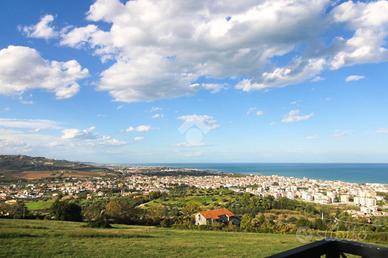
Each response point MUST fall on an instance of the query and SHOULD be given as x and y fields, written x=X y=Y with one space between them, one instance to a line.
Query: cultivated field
x=34 y=238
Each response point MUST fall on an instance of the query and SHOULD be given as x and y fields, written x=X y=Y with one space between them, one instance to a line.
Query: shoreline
x=186 y=171
x=360 y=173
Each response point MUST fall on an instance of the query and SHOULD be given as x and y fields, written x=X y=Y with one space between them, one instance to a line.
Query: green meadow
x=39 y=205
x=39 y=238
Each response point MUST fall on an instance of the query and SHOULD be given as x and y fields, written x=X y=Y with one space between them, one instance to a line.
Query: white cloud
x=295 y=116
x=88 y=136
x=369 y=21
x=146 y=78
x=317 y=79
x=155 y=109
x=369 y=24
x=74 y=133
x=138 y=138
x=382 y=131
x=339 y=134
x=160 y=50
x=140 y=128
x=156 y=116
x=108 y=140
x=205 y=123
x=298 y=71
x=58 y=77
x=32 y=124
x=43 y=29
x=25 y=101
x=352 y=78
x=260 y=113
x=14 y=139
x=211 y=87
x=254 y=110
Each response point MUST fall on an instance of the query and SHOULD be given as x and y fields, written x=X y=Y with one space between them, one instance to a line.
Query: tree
x=68 y=211
x=121 y=210
x=303 y=222
x=261 y=219
x=93 y=210
x=16 y=211
x=191 y=208
x=246 y=222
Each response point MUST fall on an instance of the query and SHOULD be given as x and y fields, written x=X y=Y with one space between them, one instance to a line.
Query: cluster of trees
x=17 y=210
x=253 y=204
x=66 y=210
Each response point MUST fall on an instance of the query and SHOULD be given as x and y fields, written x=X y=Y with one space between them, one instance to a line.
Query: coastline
x=360 y=173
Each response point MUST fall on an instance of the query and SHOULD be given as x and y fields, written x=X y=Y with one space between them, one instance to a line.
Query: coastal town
x=362 y=200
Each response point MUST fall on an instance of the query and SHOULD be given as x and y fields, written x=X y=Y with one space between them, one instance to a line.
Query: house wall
x=200 y=220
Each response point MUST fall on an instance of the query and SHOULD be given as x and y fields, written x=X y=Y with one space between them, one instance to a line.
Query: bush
x=68 y=211
x=100 y=222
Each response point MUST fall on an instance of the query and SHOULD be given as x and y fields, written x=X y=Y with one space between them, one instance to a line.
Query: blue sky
x=193 y=81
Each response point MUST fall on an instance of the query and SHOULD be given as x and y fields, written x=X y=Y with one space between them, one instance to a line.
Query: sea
x=354 y=172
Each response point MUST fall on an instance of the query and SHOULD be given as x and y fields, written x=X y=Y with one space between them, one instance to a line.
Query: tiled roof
x=215 y=214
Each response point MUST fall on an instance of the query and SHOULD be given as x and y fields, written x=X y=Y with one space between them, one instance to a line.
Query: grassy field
x=39 y=205
x=34 y=238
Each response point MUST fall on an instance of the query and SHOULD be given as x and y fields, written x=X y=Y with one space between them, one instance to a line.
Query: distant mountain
x=18 y=163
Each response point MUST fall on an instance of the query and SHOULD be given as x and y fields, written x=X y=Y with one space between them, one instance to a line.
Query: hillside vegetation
x=24 y=163
x=21 y=166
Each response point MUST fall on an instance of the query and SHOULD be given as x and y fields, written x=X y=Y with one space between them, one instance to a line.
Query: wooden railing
x=333 y=248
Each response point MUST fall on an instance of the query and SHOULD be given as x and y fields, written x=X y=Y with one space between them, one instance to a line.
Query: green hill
x=34 y=238
x=13 y=164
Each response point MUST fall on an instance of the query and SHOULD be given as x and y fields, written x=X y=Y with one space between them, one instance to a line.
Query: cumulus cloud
x=161 y=49
x=22 y=69
x=140 y=128
x=369 y=22
x=32 y=124
x=156 y=116
x=73 y=133
x=88 y=136
x=298 y=71
x=43 y=29
x=352 y=78
x=295 y=116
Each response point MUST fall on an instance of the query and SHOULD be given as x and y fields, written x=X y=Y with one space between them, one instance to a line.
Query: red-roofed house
x=207 y=217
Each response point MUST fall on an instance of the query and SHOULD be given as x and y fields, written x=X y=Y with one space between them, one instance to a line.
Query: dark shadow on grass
x=27 y=227
x=110 y=236
x=15 y=235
